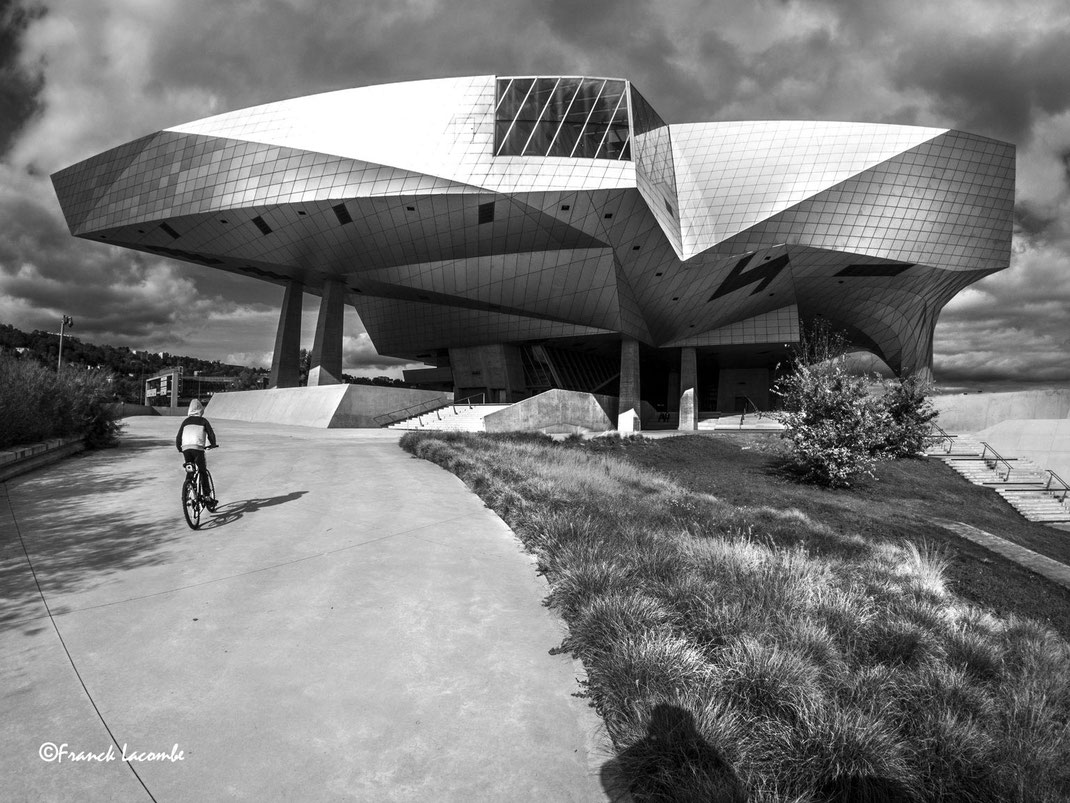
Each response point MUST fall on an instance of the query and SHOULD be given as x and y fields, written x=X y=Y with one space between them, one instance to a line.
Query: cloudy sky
x=80 y=76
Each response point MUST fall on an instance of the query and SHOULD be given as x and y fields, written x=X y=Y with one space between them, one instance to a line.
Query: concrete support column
x=688 y=389
x=326 y=367
x=629 y=409
x=286 y=361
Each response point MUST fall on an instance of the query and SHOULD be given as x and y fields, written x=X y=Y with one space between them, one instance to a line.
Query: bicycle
x=193 y=501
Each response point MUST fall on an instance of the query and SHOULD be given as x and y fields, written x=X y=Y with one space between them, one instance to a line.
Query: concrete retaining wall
x=17 y=460
x=557 y=411
x=126 y=410
x=976 y=411
x=1044 y=441
x=324 y=406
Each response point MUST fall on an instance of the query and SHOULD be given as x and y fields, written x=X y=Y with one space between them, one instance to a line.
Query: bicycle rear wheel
x=191 y=504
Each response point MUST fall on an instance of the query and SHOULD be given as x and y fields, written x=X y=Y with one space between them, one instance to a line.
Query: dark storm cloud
x=322 y=46
x=993 y=84
x=20 y=87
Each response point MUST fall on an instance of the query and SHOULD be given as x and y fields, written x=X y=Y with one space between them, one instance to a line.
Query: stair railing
x=1058 y=492
x=937 y=437
x=386 y=419
x=994 y=461
x=748 y=402
x=468 y=401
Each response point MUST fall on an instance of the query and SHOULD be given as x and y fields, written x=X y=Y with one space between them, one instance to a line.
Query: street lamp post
x=67 y=321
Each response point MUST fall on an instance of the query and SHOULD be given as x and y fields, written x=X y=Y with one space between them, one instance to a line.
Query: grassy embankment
x=740 y=649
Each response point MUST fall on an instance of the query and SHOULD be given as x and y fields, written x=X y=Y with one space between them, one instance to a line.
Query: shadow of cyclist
x=673 y=762
x=232 y=511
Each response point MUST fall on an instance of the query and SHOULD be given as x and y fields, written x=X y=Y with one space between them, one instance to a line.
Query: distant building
x=532 y=232
x=172 y=387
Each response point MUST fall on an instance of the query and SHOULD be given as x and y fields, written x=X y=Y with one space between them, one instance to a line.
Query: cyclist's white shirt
x=194 y=435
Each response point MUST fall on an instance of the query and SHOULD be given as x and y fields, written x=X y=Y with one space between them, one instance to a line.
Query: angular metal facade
x=485 y=210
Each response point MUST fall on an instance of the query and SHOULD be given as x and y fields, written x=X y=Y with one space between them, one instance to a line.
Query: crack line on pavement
x=257 y=571
x=70 y=658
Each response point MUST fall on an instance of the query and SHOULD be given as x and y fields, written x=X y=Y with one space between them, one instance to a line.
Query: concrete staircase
x=751 y=422
x=453 y=418
x=1022 y=483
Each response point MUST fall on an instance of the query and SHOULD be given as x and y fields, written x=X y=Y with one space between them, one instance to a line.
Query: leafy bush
x=910 y=417
x=37 y=404
x=835 y=427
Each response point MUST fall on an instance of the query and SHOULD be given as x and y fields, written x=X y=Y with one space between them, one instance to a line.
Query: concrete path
x=353 y=624
x=1041 y=564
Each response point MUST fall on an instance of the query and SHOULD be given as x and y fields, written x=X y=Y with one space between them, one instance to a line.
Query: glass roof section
x=585 y=118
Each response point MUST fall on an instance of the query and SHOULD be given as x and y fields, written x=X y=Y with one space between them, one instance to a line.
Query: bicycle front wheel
x=191 y=504
x=210 y=484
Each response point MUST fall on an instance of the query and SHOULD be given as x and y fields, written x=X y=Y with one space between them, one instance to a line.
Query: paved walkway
x=1041 y=564
x=352 y=625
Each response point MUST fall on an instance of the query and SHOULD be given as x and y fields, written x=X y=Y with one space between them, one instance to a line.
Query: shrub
x=839 y=429
x=835 y=427
x=37 y=404
x=910 y=415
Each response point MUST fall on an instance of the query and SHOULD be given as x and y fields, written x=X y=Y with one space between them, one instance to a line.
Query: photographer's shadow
x=673 y=762
x=230 y=512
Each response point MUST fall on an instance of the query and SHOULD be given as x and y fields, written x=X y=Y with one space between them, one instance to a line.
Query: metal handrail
x=385 y=419
x=429 y=406
x=747 y=400
x=468 y=400
x=939 y=436
x=1053 y=491
x=997 y=458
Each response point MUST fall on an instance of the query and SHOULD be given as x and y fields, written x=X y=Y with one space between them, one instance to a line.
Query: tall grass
x=37 y=404
x=739 y=653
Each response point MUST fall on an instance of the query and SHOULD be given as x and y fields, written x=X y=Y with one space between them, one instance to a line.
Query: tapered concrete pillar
x=326 y=368
x=629 y=409
x=688 y=389
x=286 y=361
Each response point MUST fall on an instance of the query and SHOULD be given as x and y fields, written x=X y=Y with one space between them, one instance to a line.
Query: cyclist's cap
x=195 y=407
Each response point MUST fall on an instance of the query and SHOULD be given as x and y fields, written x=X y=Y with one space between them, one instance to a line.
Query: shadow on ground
x=672 y=762
x=80 y=523
x=232 y=511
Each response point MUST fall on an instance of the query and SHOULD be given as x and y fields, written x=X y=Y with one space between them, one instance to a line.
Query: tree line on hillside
x=131 y=368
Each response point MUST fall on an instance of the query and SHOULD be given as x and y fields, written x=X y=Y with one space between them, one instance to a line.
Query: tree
x=910 y=413
x=836 y=428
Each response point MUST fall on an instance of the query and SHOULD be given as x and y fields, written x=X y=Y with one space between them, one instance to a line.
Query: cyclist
x=193 y=436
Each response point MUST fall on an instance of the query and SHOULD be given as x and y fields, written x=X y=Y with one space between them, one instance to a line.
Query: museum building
x=518 y=234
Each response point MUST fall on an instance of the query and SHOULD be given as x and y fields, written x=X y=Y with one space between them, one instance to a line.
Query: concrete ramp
x=324 y=406
x=557 y=411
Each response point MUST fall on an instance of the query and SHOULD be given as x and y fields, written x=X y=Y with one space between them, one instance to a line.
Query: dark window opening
x=607 y=215
x=486 y=213
x=342 y=213
x=410 y=208
x=565 y=207
x=261 y=224
x=635 y=247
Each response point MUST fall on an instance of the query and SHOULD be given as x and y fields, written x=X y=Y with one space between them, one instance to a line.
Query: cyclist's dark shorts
x=195 y=456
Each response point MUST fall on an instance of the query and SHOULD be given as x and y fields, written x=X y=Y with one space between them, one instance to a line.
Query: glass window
x=579 y=117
